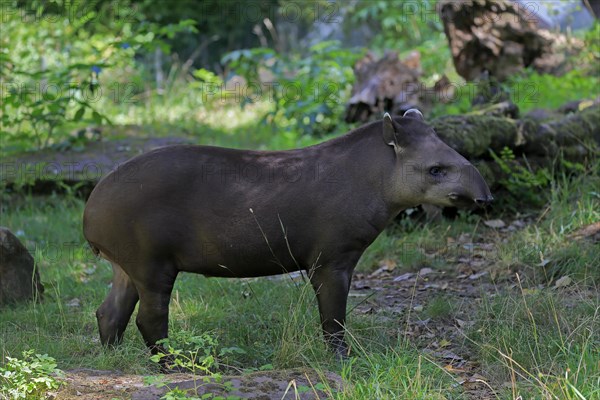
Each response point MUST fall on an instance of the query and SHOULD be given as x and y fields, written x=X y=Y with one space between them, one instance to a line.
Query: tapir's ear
x=414 y=113
x=389 y=133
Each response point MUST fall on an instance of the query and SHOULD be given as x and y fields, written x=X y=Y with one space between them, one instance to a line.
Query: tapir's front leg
x=331 y=285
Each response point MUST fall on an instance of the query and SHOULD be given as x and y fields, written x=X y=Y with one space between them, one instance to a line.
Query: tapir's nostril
x=484 y=201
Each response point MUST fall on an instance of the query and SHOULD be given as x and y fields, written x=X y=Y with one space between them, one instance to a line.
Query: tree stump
x=501 y=37
x=387 y=84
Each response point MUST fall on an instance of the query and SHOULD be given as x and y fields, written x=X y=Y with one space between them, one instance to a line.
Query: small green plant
x=440 y=307
x=53 y=79
x=30 y=377
x=519 y=180
x=198 y=354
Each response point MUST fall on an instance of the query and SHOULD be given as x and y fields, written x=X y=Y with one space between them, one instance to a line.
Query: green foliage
x=60 y=59
x=197 y=354
x=532 y=90
x=399 y=373
x=409 y=24
x=521 y=180
x=544 y=349
x=308 y=92
x=405 y=27
x=226 y=25
x=29 y=377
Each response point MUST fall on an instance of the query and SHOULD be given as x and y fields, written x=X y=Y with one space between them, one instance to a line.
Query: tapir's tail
x=95 y=250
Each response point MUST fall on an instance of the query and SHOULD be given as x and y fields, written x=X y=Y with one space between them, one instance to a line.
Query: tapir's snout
x=482 y=196
x=470 y=189
x=484 y=201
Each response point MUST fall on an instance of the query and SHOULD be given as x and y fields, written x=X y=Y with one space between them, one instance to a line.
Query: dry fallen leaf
x=562 y=282
x=74 y=302
x=478 y=275
x=476 y=376
x=460 y=322
x=494 y=223
x=591 y=232
x=385 y=266
x=451 y=368
x=403 y=277
x=388 y=264
x=518 y=224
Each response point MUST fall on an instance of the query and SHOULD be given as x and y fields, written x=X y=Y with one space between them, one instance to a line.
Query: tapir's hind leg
x=114 y=313
x=155 y=289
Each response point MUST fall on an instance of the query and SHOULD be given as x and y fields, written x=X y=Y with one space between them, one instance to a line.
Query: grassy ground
x=528 y=336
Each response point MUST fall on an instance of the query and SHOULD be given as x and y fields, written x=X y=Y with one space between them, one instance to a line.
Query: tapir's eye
x=436 y=171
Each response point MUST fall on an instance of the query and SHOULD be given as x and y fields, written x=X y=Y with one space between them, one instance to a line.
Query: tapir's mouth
x=460 y=200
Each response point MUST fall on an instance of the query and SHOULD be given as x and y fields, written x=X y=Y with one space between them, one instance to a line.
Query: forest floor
x=436 y=309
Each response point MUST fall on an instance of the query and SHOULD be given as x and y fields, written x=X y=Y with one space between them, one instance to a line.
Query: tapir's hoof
x=343 y=354
x=166 y=368
x=341 y=350
x=168 y=365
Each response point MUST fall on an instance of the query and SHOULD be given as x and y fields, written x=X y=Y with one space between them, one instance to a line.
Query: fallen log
x=576 y=135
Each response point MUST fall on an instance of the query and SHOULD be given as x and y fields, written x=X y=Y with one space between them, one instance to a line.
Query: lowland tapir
x=240 y=213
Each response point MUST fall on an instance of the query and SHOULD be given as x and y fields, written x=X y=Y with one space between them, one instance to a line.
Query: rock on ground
x=19 y=281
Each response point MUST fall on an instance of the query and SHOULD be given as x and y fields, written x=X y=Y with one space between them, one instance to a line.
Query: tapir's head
x=427 y=170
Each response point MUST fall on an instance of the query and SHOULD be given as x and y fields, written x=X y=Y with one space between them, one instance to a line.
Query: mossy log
x=474 y=135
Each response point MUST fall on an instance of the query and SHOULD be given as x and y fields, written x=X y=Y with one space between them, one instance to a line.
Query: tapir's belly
x=236 y=257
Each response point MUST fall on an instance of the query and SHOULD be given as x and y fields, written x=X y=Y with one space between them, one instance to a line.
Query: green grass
x=543 y=347
x=399 y=373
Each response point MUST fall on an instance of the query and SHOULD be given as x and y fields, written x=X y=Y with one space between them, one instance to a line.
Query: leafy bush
x=30 y=377
x=308 y=91
x=405 y=27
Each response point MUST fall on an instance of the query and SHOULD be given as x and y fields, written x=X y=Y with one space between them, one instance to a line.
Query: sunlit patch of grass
x=414 y=245
x=440 y=307
x=398 y=373
x=222 y=121
x=540 y=344
x=533 y=90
